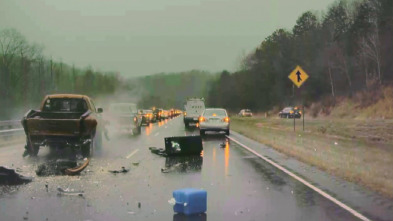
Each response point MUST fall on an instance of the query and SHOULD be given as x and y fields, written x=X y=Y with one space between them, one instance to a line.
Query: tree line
x=345 y=50
x=170 y=90
x=26 y=76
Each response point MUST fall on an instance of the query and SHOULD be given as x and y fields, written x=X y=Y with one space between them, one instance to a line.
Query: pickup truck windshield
x=65 y=105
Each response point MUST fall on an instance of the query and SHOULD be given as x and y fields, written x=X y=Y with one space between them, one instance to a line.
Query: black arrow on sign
x=299 y=79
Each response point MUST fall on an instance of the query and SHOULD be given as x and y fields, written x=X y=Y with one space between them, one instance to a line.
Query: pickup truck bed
x=56 y=124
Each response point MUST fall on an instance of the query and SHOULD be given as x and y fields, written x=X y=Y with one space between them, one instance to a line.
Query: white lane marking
x=131 y=154
x=316 y=189
x=156 y=134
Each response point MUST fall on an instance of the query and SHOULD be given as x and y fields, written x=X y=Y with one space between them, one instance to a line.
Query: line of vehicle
x=132 y=154
x=316 y=189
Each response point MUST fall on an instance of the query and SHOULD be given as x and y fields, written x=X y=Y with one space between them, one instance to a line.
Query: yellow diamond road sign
x=298 y=76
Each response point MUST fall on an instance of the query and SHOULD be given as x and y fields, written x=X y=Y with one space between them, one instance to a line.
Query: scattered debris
x=130 y=212
x=56 y=167
x=182 y=164
x=69 y=192
x=123 y=170
x=165 y=170
x=139 y=205
x=46 y=187
x=61 y=167
x=135 y=164
x=158 y=151
x=171 y=168
x=10 y=177
x=335 y=143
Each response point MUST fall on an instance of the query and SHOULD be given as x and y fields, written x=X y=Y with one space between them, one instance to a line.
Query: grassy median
x=360 y=151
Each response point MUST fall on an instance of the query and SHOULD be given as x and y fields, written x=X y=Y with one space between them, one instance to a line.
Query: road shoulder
x=367 y=202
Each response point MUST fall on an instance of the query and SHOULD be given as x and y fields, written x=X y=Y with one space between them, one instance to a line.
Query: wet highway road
x=240 y=186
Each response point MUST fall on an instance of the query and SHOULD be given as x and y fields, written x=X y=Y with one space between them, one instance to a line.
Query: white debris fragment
x=172 y=201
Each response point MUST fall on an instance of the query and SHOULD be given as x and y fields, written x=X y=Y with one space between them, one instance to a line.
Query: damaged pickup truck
x=64 y=121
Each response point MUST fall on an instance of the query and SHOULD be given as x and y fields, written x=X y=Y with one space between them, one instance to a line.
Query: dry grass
x=345 y=148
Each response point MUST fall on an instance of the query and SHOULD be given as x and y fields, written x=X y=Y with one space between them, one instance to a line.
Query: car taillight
x=291 y=112
x=135 y=119
x=185 y=113
x=226 y=119
x=300 y=112
x=201 y=119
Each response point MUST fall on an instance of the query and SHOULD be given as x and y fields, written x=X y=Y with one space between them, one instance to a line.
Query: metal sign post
x=294 y=124
x=303 y=115
x=298 y=76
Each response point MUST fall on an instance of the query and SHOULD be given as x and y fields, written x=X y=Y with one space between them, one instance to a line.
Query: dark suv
x=290 y=112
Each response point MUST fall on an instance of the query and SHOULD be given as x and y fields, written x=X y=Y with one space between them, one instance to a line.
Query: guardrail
x=10 y=128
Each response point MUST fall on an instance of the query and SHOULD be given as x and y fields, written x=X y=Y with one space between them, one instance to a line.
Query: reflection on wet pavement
x=198 y=217
x=148 y=129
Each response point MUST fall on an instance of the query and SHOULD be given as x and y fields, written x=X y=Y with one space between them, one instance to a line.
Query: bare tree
x=11 y=42
x=370 y=46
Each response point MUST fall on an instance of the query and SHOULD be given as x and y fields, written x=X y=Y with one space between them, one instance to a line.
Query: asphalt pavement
x=239 y=185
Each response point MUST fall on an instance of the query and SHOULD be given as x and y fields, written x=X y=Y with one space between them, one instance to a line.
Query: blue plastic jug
x=190 y=201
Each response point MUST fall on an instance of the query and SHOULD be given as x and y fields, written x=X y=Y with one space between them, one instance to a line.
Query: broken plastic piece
x=78 y=169
x=158 y=151
x=62 y=191
x=185 y=145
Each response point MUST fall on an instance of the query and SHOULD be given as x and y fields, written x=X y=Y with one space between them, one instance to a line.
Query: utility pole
x=51 y=74
x=73 y=78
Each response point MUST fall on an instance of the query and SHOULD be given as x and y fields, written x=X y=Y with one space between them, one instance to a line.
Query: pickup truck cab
x=194 y=108
x=64 y=120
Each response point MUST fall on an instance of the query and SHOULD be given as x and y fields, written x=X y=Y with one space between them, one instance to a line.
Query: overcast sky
x=141 y=37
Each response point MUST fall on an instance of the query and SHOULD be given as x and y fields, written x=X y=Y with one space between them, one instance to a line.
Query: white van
x=194 y=107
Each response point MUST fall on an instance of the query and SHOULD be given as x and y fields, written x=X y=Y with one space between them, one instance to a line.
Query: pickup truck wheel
x=186 y=124
x=227 y=132
x=87 y=149
x=31 y=149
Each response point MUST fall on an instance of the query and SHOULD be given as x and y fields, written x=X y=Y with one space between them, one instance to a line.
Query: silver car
x=214 y=119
